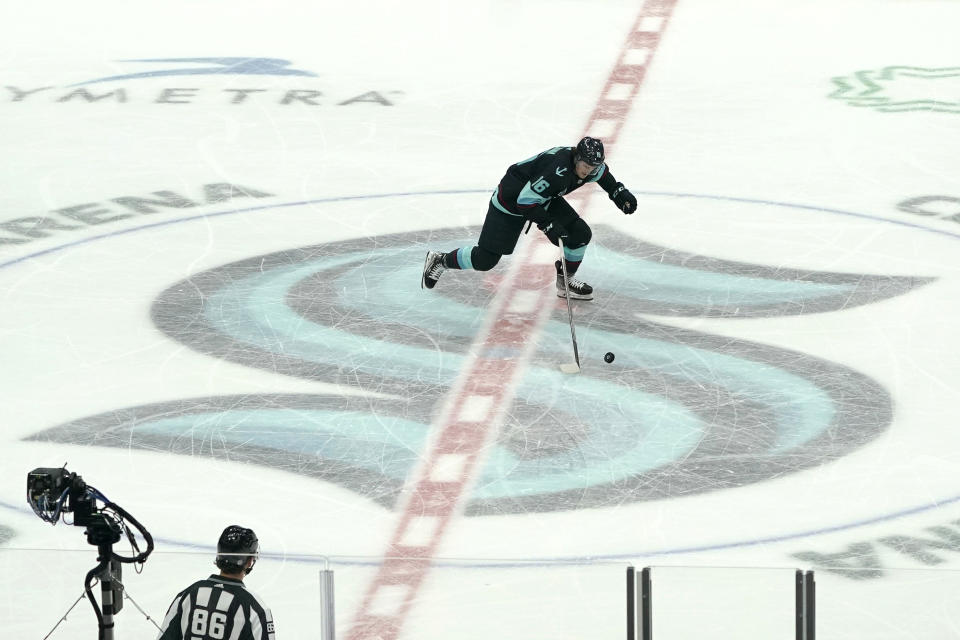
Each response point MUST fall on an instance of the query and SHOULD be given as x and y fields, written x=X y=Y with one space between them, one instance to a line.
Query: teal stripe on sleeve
x=593 y=177
x=550 y=151
x=528 y=196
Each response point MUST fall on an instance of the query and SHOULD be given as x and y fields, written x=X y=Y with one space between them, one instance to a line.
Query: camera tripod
x=103 y=532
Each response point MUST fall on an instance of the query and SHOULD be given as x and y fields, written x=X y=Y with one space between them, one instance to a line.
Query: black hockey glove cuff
x=622 y=197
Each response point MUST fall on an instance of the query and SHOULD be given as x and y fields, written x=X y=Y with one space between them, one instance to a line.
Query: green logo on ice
x=902 y=89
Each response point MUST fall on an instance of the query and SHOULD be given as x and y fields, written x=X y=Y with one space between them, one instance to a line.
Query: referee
x=221 y=607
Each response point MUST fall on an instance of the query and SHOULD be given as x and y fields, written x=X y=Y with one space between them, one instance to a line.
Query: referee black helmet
x=237 y=545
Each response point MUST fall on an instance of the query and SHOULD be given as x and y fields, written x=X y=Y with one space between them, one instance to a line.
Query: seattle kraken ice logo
x=221 y=66
x=679 y=412
x=902 y=89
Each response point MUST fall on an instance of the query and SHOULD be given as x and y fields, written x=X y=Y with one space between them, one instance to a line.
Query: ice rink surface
x=212 y=227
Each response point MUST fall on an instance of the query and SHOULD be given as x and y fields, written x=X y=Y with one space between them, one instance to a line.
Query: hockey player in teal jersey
x=533 y=190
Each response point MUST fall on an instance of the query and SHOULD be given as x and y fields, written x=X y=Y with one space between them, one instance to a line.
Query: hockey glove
x=552 y=229
x=625 y=200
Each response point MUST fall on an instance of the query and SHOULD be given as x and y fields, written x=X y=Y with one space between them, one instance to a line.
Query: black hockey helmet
x=237 y=545
x=590 y=150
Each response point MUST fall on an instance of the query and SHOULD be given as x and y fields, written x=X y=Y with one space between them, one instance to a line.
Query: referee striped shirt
x=217 y=608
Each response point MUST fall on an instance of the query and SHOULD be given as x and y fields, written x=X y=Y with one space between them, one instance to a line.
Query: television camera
x=52 y=493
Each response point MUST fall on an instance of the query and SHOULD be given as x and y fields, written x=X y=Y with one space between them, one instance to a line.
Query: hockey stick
x=569 y=367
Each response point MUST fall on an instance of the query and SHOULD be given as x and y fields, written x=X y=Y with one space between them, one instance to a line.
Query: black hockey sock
x=450 y=260
x=572 y=266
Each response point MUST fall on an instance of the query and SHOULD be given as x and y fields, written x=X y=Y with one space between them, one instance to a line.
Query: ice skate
x=433 y=268
x=579 y=290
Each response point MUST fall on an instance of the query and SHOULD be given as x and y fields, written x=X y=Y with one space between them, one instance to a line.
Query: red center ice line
x=473 y=412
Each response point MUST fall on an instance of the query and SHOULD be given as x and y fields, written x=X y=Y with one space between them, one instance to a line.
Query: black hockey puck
x=608 y=356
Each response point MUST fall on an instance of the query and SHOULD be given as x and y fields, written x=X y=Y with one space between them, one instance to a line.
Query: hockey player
x=533 y=190
x=220 y=607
